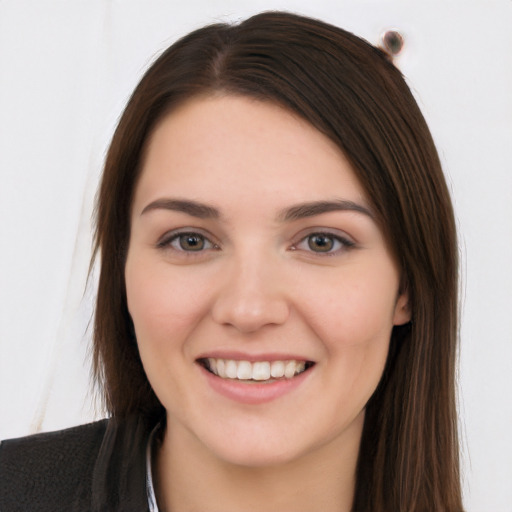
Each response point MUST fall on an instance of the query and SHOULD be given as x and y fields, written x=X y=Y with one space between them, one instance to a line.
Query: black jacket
x=97 y=467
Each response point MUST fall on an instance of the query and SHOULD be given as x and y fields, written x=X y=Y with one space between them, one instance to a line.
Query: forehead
x=239 y=147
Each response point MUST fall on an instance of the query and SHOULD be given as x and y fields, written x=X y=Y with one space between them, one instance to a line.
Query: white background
x=66 y=70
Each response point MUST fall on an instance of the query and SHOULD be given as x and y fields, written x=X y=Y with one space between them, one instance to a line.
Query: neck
x=189 y=478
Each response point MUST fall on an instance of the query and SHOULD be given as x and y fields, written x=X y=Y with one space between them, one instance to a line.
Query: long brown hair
x=351 y=92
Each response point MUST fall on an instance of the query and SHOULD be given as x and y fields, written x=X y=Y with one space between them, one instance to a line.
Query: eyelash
x=168 y=241
x=339 y=243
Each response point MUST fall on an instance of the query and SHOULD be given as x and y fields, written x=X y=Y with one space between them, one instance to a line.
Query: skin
x=257 y=286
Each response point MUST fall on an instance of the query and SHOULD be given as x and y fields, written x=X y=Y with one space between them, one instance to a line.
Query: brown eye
x=324 y=244
x=191 y=242
x=186 y=242
x=320 y=242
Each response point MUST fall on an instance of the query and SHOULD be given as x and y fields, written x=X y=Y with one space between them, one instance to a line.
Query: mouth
x=256 y=371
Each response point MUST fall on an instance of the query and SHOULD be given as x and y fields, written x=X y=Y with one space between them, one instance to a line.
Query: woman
x=276 y=317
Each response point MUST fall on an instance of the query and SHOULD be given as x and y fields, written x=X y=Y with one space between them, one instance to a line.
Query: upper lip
x=242 y=356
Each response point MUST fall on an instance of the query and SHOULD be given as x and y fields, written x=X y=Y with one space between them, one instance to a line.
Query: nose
x=251 y=296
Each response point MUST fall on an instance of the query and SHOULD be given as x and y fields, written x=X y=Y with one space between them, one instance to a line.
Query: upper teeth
x=259 y=370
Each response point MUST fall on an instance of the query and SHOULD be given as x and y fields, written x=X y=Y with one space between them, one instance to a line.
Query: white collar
x=152 y=504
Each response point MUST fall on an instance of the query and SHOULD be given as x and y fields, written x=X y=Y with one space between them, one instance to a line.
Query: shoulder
x=52 y=445
x=42 y=471
x=95 y=467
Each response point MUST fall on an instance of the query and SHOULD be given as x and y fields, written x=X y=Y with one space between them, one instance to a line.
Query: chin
x=256 y=457
x=260 y=447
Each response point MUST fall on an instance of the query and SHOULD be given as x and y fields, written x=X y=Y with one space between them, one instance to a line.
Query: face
x=261 y=288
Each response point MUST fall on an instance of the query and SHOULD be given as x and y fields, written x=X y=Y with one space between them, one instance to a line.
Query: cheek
x=161 y=304
x=355 y=332
x=164 y=308
x=353 y=318
x=354 y=312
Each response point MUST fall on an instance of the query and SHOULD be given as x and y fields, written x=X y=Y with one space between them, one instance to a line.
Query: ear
x=402 y=313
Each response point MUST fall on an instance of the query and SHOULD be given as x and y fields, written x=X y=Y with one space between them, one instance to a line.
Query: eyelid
x=164 y=242
x=346 y=241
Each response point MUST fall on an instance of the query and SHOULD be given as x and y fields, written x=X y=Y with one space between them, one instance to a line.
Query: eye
x=321 y=242
x=186 y=242
x=324 y=243
x=190 y=242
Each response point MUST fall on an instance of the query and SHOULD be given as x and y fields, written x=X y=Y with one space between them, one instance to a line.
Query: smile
x=254 y=371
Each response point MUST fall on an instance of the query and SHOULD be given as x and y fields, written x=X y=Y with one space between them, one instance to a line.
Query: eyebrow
x=304 y=210
x=193 y=208
x=293 y=213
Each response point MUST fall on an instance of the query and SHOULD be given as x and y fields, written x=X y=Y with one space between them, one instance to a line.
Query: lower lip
x=254 y=393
